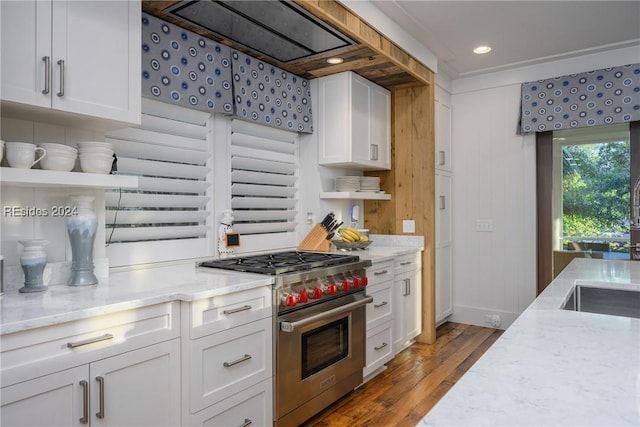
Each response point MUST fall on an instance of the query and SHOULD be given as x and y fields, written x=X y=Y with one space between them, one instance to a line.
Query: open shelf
x=355 y=195
x=46 y=178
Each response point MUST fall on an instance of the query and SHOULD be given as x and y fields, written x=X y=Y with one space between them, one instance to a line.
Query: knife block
x=316 y=240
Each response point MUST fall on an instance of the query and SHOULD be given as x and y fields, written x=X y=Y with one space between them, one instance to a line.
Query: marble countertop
x=134 y=288
x=554 y=367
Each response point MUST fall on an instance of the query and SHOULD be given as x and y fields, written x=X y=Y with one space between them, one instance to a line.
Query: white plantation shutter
x=264 y=176
x=166 y=217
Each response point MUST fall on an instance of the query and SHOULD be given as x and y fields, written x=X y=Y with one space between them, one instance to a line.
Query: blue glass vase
x=82 y=235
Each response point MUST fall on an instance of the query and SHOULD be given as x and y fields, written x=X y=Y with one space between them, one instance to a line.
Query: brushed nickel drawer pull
x=237 y=310
x=384 y=344
x=47 y=74
x=247 y=422
x=85 y=402
x=235 y=362
x=100 y=413
x=443 y=203
x=405 y=263
x=89 y=341
x=382 y=304
x=61 y=64
x=442 y=158
x=379 y=273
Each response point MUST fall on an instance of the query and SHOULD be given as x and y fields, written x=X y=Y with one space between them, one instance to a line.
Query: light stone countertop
x=128 y=289
x=554 y=367
x=123 y=290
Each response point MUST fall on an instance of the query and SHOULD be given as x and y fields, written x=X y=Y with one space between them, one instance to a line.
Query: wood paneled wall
x=411 y=182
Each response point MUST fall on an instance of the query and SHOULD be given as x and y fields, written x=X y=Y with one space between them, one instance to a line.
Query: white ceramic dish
x=95 y=163
x=58 y=161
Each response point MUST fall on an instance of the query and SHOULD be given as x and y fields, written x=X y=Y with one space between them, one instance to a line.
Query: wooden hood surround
x=411 y=180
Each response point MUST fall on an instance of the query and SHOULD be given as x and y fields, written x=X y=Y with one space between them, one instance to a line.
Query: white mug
x=23 y=154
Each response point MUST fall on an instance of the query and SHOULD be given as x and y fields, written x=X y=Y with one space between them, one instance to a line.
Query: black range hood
x=280 y=30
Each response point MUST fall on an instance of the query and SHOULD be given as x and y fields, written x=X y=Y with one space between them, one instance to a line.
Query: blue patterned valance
x=184 y=68
x=270 y=96
x=610 y=95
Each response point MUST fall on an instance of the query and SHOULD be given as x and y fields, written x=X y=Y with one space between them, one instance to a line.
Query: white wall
x=494 y=179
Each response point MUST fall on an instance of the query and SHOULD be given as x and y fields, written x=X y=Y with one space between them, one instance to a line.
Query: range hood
x=280 y=30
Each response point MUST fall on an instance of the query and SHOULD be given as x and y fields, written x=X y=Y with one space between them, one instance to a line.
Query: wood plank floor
x=414 y=381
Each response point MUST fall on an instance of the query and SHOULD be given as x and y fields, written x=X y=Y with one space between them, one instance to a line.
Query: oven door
x=319 y=354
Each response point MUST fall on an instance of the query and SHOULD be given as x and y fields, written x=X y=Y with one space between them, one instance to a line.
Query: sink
x=616 y=302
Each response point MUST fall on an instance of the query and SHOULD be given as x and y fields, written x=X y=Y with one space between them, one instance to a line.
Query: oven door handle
x=291 y=326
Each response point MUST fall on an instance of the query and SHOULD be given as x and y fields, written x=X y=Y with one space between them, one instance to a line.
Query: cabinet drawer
x=36 y=352
x=409 y=262
x=253 y=406
x=381 y=308
x=379 y=347
x=210 y=315
x=380 y=272
x=228 y=362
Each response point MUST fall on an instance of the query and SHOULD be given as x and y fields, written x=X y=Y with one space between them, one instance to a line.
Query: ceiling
x=519 y=32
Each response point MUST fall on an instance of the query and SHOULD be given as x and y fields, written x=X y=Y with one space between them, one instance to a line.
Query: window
x=168 y=216
x=264 y=176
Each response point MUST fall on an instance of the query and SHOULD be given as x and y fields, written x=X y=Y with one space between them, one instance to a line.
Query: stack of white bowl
x=96 y=157
x=60 y=157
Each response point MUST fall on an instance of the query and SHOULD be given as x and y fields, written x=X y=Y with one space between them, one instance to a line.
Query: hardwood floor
x=414 y=381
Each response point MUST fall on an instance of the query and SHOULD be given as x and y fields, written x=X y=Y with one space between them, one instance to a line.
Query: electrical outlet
x=484 y=225
x=493 y=320
x=408 y=226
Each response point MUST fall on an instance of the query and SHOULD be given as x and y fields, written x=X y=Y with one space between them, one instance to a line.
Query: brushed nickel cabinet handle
x=100 y=413
x=47 y=74
x=85 y=402
x=89 y=341
x=382 y=304
x=237 y=310
x=442 y=158
x=235 y=362
x=247 y=422
x=405 y=263
x=384 y=344
x=407 y=287
x=443 y=204
x=61 y=64
x=379 y=273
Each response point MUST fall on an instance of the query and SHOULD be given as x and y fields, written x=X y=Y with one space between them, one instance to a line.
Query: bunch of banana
x=350 y=234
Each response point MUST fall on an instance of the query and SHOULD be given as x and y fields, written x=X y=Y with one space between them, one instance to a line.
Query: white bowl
x=58 y=161
x=52 y=147
x=96 y=150
x=94 y=144
x=96 y=164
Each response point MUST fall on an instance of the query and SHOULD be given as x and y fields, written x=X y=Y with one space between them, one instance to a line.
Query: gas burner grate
x=280 y=262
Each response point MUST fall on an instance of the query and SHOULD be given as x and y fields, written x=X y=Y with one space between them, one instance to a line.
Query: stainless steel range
x=319 y=327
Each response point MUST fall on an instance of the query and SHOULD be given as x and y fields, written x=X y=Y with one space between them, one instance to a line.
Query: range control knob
x=289 y=300
x=364 y=280
x=317 y=293
x=303 y=296
x=346 y=285
x=357 y=282
x=332 y=289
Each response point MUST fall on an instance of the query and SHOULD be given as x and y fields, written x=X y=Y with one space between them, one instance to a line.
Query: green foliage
x=596 y=190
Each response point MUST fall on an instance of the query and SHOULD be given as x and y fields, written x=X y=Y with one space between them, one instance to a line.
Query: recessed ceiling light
x=482 y=49
x=335 y=61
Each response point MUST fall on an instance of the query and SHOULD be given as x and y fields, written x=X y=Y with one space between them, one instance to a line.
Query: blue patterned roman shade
x=184 y=68
x=267 y=95
x=610 y=95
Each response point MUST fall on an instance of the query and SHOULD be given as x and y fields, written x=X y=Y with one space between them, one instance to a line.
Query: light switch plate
x=484 y=225
x=408 y=226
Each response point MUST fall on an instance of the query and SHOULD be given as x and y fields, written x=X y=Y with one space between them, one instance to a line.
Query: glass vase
x=82 y=235
x=33 y=261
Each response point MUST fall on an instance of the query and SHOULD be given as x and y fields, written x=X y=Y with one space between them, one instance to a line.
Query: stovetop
x=278 y=263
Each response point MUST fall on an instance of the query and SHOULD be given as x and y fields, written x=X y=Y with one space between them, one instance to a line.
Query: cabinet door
x=443 y=135
x=444 y=288
x=381 y=127
x=52 y=400
x=361 y=120
x=26 y=40
x=334 y=120
x=141 y=387
x=407 y=309
x=99 y=42
x=444 y=231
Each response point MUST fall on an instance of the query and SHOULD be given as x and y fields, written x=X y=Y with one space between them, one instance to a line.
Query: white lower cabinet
x=227 y=365
x=407 y=301
x=379 y=315
x=140 y=387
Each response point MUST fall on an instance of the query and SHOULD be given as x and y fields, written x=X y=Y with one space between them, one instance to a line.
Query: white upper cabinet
x=79 y=57
x=443 y=130
x=354 y=122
